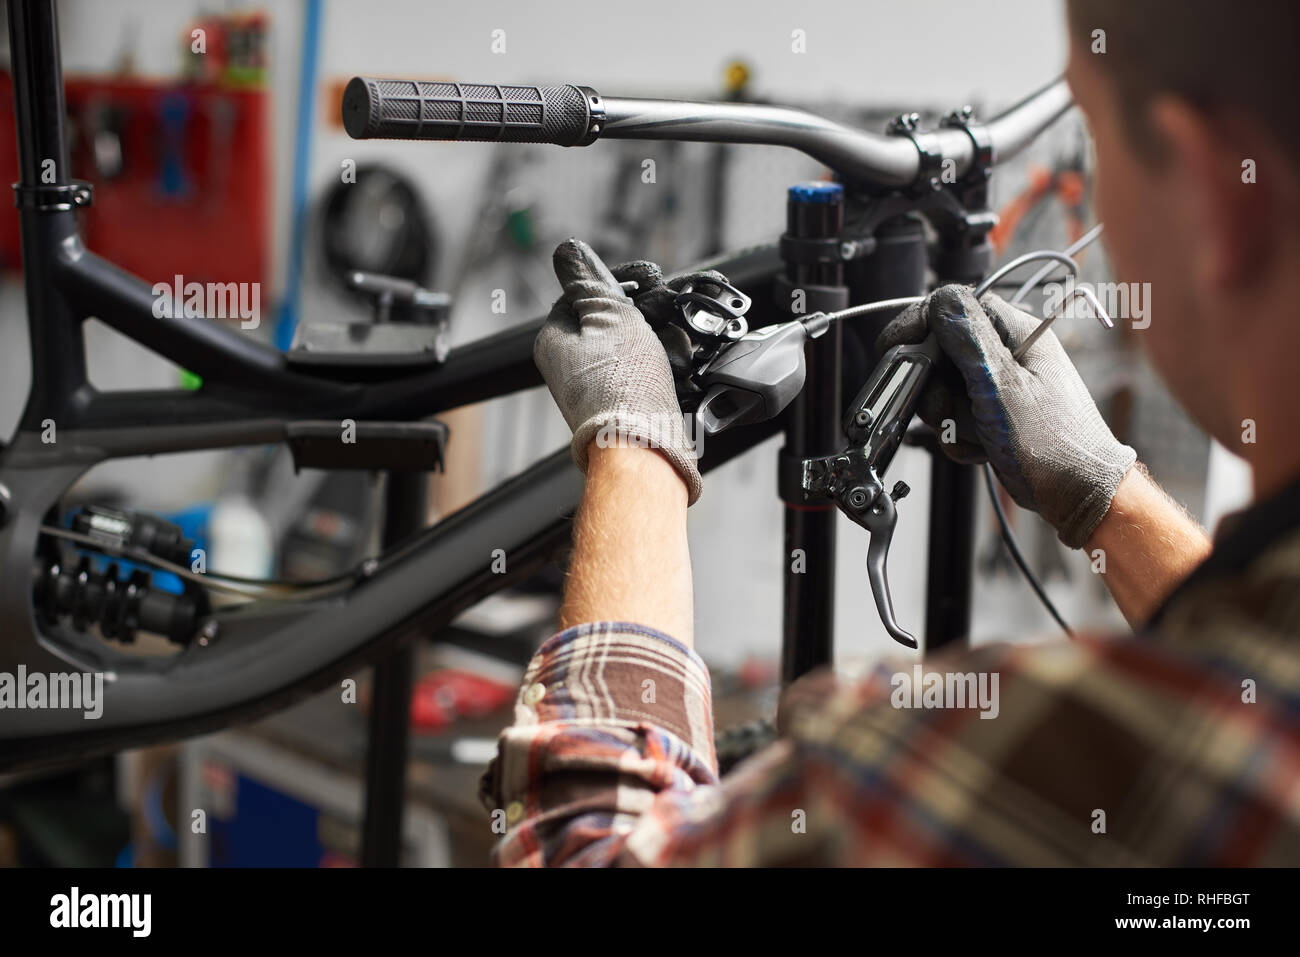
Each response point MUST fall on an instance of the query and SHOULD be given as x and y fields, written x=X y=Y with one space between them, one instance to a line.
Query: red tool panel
x=180 y=172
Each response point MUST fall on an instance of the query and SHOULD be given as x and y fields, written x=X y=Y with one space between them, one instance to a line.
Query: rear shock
x=118 y=602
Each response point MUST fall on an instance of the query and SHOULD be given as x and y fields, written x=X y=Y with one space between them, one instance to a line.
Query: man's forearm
x=631 y=561
x=1147 y=544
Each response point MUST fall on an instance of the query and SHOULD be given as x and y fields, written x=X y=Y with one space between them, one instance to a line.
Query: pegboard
x=180 y=171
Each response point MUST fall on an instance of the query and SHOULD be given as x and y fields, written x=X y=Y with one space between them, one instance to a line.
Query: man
x=1177 y=745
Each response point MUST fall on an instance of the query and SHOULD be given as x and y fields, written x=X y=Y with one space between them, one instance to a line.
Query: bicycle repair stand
x=845 y=247
x=406 y=501
x=407 y=320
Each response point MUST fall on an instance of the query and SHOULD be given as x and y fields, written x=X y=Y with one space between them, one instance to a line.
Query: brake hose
x=1008 y=537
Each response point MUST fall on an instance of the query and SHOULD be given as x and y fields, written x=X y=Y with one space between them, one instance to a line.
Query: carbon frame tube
x=244 y=675
x=239 y=373
x=58 y=362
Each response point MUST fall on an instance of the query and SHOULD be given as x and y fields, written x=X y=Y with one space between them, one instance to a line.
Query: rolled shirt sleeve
x=613 y=734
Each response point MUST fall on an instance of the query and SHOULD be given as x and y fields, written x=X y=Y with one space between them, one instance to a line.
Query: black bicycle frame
x=269 y=654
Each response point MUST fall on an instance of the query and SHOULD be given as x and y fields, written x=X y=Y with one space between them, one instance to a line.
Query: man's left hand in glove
x=606 y=367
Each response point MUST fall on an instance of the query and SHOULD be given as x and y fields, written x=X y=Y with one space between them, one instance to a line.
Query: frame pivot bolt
x=208 y=633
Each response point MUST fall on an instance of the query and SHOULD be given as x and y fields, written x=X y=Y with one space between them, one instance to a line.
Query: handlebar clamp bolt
x=904 y=123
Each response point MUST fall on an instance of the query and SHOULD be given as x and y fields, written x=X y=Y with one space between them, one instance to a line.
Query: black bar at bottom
x=951 y=553
x=406 y=500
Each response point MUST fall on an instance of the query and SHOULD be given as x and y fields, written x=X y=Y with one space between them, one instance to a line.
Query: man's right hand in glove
x=1031 y=417
x=1034 y=421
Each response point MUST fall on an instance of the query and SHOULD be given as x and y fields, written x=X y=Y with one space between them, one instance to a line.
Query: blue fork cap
x=817 y=191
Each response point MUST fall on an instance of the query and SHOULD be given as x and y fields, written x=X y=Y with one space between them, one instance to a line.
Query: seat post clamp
x=52 y=197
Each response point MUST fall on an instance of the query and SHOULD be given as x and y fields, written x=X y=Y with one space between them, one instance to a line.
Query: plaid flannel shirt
x=1180 y=745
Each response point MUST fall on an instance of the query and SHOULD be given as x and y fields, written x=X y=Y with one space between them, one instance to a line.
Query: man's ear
x=1229 y=216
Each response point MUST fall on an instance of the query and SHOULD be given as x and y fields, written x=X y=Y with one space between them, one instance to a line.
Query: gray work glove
x=1032 y=419
x=606 y=368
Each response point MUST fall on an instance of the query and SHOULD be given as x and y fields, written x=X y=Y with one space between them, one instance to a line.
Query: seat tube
x=45 y=208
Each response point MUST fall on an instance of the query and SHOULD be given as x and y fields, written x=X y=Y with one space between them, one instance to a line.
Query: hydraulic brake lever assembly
x=874 y=425
x=734 y=376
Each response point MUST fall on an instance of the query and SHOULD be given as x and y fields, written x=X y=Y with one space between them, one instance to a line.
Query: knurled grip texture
x=428 y=110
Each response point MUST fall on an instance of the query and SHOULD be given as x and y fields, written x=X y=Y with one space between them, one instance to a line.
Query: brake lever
x=880 y=520
x=875 y=424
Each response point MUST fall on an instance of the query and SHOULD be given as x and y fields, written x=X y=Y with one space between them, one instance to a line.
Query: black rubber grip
x=427 y=110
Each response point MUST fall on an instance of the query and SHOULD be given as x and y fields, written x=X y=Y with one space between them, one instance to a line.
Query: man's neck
x=1264 y=353
x=1270 y=423
x=1270 y=478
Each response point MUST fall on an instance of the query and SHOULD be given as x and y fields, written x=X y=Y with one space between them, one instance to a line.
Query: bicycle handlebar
x=578 y=116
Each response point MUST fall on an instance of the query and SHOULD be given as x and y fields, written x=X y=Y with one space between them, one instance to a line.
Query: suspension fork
x=896 y=267
x=812 y=281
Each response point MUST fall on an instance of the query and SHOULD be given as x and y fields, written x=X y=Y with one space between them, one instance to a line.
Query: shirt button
x=514 y=811
x=534 y=694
